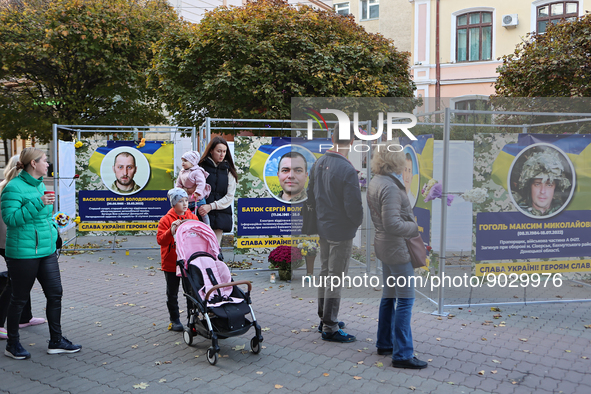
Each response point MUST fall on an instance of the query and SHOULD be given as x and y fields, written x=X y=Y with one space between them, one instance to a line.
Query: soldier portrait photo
x=286 y=173
x=125 y=170
x=541 y=181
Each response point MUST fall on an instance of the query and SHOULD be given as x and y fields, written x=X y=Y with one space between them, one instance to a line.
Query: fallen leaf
x=379 y=364
x=496 y=361
x=526 y=351
x=295 y=331
x=523 y=339
x=568 y=351
x=238 y=347
x=134 y=346
x=142 y=386
x=588 y=326
x=429 y=360
x=157 y=363
x=325 y=374
x=278 y=386
x=585 y=357
x=359 y=362
x=369 y=339
x=162 y=380
x=265 y=329
x=259 y=372
x=439 y=339
x=483 y=339
x=495 y=309
x=305 y=330
x=450 y=383
x=493 y=372
x=168 y=362
x=413 y=388
x=481 y=372
x=357 y=377
x=497 y=316
x=177 y=343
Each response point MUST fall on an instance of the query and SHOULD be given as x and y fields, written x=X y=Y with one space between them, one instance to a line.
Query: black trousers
x=5 y=292
x=172 y=295
x=23 y=273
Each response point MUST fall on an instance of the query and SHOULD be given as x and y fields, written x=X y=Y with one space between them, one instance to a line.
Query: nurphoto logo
x=345 y=122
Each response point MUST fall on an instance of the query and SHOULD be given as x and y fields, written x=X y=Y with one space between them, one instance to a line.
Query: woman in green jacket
x=31 y=250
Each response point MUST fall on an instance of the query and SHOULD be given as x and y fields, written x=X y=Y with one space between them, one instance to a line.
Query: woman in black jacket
x=217 y=161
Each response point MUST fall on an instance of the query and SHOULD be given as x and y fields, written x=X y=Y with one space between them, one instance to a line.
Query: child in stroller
x=217 y=306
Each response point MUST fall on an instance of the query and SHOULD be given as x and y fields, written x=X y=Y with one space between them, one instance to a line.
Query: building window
x=473 y=105
x=474 y=37
x=370 y=9
x=554 y=13
x=342 y=8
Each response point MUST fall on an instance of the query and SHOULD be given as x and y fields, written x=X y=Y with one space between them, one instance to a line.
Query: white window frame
x=342 y=6
x=369 y=6
x=453 y=38
x=533 y=26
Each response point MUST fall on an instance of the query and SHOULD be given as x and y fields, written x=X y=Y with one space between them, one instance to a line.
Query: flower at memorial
x=427 y=187
x=78 y=144
x=61 y=219
x=77 y=220
x=284 y=256
x=477 y=195
x=435 y=191
x=308 y=248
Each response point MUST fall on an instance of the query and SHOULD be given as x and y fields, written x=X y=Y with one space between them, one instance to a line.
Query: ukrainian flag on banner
x=160 y=155
x=423 y=146
x=257 y=163
x=578 y=149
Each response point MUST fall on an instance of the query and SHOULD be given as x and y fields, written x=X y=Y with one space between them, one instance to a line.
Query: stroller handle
x=240 y=282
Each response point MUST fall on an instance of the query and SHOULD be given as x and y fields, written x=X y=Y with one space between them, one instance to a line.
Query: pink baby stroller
x=217 y=306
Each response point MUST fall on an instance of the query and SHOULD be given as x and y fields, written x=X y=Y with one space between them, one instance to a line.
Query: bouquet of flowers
x=477 y=195
x=308 y=248
x=427 y=187
x=283 y=257
x=61 y=219
x=432 y=190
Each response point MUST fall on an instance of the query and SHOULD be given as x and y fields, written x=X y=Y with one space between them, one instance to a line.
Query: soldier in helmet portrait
x=544 y=183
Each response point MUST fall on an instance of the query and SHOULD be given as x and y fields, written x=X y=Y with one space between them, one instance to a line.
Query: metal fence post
x=442 y=241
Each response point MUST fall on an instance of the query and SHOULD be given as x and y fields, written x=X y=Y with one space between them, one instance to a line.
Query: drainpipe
x=437 y=63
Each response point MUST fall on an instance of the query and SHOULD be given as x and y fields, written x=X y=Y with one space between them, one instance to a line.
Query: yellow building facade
x=472 y=36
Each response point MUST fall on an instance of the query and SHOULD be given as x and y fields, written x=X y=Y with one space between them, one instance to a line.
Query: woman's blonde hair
x=10 y=171
x=18 y=163
x=387 y=159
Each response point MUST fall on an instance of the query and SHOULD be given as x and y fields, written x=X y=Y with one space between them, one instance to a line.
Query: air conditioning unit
x=510 y=20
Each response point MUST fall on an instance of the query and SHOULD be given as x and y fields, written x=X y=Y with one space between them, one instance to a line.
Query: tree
x=78 y=62
x=552 y=64
x=249 y=61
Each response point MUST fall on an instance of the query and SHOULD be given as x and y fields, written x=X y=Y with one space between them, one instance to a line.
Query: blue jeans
x=394 y=330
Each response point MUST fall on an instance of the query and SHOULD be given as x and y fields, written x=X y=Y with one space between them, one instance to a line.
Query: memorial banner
x=538 y=187
x=123 y=181
x=272 y=181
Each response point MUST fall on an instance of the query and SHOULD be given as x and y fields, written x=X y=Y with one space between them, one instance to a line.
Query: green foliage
x=248 y=62
x=79 y=62
x=553 y=64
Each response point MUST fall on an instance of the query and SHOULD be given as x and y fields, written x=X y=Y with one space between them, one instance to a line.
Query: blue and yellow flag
x=257 y=163
x=577 y=147
x=159 y=154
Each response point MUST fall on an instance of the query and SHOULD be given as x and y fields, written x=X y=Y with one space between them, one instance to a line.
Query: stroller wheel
x=255 y=345
x=188 y=336
x=212 y=356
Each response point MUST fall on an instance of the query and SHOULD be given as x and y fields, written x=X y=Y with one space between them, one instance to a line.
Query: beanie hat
x=192 y=157
x=174 y=195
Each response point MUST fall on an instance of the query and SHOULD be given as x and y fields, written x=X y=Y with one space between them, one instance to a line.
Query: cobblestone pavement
x=114 y=305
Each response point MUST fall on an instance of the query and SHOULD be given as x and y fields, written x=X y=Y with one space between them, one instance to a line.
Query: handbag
x=418 y=252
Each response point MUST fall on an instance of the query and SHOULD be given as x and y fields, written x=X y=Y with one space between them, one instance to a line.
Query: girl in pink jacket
x=192 y=179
